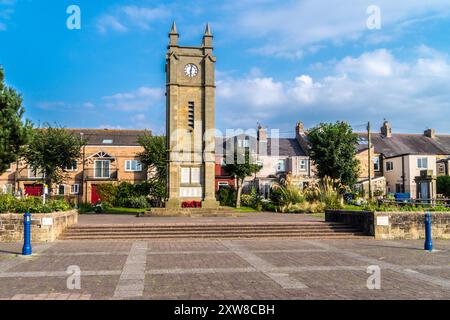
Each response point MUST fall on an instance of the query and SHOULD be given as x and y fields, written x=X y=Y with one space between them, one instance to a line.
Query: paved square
x=226 y=269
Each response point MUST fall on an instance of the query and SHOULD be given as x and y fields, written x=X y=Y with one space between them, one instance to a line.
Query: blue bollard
x=26 y=250
x=428 y=241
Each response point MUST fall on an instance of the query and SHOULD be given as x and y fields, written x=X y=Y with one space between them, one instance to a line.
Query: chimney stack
x=261 y=141
x=262 y=134
x=430 y=133
x=300 y=135
x=386 y=129
x=299 y=129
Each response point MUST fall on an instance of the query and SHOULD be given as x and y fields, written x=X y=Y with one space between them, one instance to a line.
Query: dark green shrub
x=268 y=206
x=227 y=197
x=85 y=208
x=140 y=202
x=275 y=196
x=443 y=185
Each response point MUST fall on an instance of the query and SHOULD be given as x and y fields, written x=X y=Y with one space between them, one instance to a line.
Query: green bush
x=9 y=203
x=85 y=208
x=268 y=206
x=227 y=197
x=247 y=200
x=140 y=202
x=125 y=194
x=443 y=185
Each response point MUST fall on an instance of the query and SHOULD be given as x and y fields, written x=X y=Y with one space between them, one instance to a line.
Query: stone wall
x=362 y=219
x=394 y=225
x=44 y=227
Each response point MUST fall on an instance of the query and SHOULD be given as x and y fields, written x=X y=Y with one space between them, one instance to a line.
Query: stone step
x=204 y=228
x=205 y=225
x=353 y=235
x=239 y=230
x=219 y=232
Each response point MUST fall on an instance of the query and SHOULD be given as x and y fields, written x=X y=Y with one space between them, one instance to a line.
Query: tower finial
x=173 y=30
x=208 y=30
x=173 y=36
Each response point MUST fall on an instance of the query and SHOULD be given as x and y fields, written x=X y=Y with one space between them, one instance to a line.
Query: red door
x=34 y=190
x=94 y=195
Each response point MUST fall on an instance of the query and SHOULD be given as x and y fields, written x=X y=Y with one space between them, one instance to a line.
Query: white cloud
x=288 y=28
x=88 y=105
x=372 y=86
x=143 y=98
x=109 y=23
x=125 y=18
x=6 y=12
x=48 y=105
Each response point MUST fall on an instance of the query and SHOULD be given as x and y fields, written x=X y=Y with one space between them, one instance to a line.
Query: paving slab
x=226 y=269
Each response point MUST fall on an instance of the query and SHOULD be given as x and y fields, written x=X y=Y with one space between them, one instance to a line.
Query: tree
x=14 y=132
x=333 y=150
x=241 y=167
x=443 y=185
x=51 y=150
x=154 y=158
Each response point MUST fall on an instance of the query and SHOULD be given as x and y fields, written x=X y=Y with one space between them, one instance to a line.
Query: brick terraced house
x=277 y=157
x=109 y=156
x=401 y=163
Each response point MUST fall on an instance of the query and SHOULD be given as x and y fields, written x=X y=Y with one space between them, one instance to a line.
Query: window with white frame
x=389 y=165
x=281 y=166
x=7 y=188
x=101 y=168
x=72 y=167
x=302 y=165
x=10 y=168
x=35 y=173
x=61 y=190
x=422 y=163
x=133 y=165
x=75 y=189
x=376 y=163
x=223 y=184
x=260 y=163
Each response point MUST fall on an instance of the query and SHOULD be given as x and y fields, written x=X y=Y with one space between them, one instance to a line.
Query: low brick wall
x=393 y=225
x=44 y=227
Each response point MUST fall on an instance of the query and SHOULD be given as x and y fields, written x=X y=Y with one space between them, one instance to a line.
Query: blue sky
x=278 y=61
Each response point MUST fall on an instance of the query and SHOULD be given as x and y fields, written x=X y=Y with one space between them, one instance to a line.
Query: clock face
x=190 y=70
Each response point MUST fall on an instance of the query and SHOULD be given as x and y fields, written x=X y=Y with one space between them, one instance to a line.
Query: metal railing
x=441 y=202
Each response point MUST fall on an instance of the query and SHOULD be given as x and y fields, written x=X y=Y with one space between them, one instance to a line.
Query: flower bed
x=191 y=204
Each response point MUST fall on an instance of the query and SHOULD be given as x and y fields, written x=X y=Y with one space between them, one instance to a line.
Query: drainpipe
x=403 y=174
x=84 y=182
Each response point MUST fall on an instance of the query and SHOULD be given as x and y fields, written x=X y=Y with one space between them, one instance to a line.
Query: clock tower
x=190 y=131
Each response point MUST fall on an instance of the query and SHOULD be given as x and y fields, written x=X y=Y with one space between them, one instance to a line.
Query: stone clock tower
x=190 y=91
